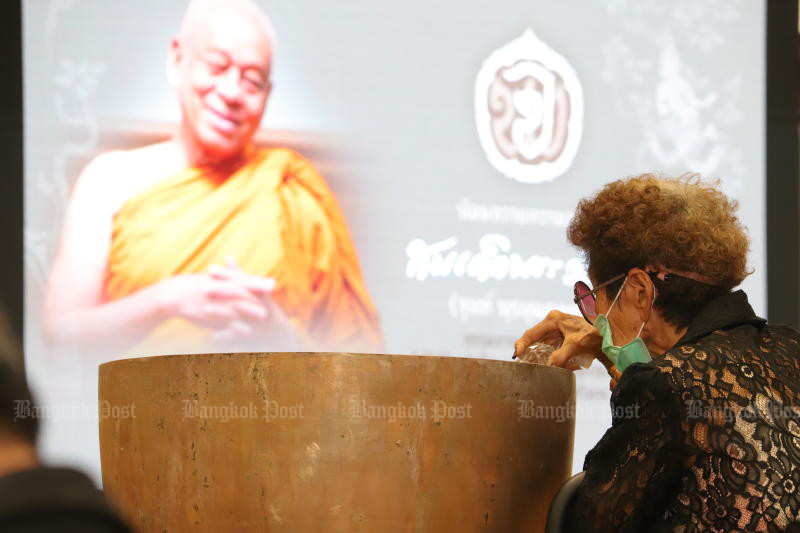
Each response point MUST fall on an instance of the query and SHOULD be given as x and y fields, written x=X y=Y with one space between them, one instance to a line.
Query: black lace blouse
x=704 y=438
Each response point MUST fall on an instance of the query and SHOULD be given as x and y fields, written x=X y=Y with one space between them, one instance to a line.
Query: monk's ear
x=173 y=61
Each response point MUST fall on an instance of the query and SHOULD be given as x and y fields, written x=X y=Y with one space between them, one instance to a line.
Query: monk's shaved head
x=200 y=12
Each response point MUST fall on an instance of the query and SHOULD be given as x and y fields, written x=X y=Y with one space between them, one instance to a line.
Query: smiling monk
x=205 y=242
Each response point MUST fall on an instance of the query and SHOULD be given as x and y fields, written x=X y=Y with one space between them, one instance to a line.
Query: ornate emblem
x=528 y=110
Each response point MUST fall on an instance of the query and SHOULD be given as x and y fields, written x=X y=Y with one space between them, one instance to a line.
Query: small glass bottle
x=539 y=353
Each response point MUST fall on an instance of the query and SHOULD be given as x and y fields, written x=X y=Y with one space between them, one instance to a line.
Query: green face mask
x=622 y=356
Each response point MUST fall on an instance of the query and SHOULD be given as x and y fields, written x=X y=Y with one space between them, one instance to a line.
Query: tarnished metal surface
x=470 y=452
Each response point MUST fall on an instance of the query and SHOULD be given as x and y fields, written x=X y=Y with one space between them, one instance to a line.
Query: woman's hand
x=611 y=368
x=575 y=337
x=572 y=333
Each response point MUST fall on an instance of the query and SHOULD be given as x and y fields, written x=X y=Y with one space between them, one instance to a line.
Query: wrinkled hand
x=273 y=330
x=612 y=370
x=571 y=333
x=575 y=337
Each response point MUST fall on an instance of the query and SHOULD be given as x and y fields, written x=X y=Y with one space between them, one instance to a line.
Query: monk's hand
x=572 y=333
x=275 y=328
x=209 y=302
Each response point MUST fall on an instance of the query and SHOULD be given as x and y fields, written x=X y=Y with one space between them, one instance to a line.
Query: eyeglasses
x=585 y=297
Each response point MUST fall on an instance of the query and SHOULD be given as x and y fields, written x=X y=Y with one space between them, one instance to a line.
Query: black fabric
x=705 y=437
x=728 y=311
x=48 y=499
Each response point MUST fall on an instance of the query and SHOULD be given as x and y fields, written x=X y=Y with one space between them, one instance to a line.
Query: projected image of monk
x=206 y=242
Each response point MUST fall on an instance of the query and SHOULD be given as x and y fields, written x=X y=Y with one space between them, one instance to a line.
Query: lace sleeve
x=636 y=465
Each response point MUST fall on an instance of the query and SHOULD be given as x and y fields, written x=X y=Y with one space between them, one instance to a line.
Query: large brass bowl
x=324 y=442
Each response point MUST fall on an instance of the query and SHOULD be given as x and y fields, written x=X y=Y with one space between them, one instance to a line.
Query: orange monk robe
x=277 y=218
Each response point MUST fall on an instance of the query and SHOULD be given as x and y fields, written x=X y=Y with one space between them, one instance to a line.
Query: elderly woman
x=706 y=427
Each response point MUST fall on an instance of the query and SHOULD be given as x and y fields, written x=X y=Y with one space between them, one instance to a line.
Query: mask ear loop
x=617 y=296
x=652 y=304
